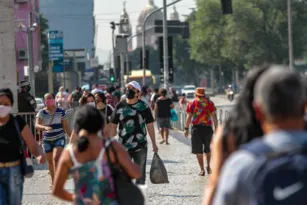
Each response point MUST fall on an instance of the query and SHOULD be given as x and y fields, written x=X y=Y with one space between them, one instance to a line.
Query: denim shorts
x=49 y=145
x=11 y=186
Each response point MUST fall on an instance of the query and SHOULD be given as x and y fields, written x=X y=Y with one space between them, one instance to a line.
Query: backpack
x=279 y=178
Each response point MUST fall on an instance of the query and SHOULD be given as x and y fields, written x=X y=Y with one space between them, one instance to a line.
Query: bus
x=137 y=75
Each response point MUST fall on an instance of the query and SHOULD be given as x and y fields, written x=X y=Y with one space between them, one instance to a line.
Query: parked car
x=189 y=91
x=39 y=104
x=210 y=92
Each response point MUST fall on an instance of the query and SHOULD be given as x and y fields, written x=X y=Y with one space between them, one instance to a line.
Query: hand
x=48 y=128
x=154 y=148
x=41 y=159
x=186 y=133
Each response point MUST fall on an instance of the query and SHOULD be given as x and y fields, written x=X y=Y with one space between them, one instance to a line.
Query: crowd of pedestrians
x=257 y=156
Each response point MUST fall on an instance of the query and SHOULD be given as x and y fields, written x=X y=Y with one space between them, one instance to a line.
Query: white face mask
x=92 y=104
x=5 y=110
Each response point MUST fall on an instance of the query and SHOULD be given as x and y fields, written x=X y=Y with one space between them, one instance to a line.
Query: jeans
x=11 y=186
x=140 y=158
x=48 y=146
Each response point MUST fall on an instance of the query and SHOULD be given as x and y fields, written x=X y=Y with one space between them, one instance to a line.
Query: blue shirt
x=52 y=121
x=235 y=186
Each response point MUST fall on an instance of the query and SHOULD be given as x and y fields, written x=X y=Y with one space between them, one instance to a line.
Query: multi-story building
x=76 y=19
x=23 y=11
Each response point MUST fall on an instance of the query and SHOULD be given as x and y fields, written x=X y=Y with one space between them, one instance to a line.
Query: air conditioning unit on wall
x=22 y=54
x=21 y=1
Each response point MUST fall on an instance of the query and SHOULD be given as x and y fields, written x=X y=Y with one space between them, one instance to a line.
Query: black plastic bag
x=158 y=173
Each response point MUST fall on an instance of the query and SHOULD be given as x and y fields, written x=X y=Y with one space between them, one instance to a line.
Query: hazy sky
x=110 y=10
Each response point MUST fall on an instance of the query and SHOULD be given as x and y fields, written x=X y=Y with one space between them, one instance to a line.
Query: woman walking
x=52 y=121
x=163 y=108
x=11 y=130
x=87 y=161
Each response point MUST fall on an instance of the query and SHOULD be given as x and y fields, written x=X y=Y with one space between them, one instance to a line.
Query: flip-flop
x=167 y=143
x=202 y=173
x=162 y=141
x=208 y=169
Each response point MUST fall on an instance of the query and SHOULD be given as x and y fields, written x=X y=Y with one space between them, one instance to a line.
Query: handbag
x=127 y=192
x=26 y=164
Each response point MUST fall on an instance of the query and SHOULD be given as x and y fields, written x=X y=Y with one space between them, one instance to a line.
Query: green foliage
x=44 y=41
x=256 y=32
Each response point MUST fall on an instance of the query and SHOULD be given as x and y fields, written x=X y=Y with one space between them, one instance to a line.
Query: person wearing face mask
x=27 y=104
x=52 y=121
x=133 y=116
x=87 y=99
x=11 y=129
x=62 y=99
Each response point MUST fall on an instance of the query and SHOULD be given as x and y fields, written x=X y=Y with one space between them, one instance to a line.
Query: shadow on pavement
x=178 y=135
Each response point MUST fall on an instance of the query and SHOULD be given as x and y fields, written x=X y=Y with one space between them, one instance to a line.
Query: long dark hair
x=83 y=100
x=242 y=123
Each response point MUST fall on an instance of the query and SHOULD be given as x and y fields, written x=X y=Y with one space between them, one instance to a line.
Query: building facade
x=75 y=18
x=151 y=37
x=23 y=9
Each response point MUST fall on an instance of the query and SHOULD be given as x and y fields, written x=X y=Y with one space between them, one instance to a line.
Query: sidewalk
x=185 y=187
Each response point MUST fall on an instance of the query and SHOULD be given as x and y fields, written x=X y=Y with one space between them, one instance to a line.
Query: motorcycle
x=230 y=96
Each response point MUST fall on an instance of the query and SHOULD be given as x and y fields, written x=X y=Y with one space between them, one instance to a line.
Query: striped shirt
x=53 y=121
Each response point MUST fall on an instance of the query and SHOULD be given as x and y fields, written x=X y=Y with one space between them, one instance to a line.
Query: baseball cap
x=24 y=83
x=135 y=84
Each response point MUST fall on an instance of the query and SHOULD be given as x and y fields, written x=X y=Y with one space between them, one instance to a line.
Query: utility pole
x=290 y=35
x=122 y=70
x=165 y=46
x=8 y=70
x=144 y=34
x=30 y=54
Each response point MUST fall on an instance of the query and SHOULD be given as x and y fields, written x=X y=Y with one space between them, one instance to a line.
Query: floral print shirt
x=132 y=120
x=201 y=109
x=93 y=181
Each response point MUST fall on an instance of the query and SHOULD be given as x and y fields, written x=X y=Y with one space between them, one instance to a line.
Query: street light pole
x=144 y=34
x=30 y=54
x=290 y=35
x=165 y=46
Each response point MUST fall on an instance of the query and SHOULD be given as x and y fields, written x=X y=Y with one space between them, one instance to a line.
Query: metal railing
x=222 y=114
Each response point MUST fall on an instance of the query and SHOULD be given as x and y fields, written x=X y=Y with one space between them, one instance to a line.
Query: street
x=185 y=187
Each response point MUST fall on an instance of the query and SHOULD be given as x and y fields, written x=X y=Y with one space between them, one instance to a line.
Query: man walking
x=201 y=112
x=133 y=117
x=272 y=169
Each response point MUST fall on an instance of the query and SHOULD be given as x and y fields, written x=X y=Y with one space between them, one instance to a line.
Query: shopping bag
x=158 y=173
x=174 y=116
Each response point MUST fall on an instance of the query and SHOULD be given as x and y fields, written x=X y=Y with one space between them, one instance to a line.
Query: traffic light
x=112 y=25
x=226 y=6
x=112 y=77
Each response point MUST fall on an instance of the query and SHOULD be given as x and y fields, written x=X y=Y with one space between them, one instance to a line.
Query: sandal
x=167 y=143
x=162 y=141
x=202 y=173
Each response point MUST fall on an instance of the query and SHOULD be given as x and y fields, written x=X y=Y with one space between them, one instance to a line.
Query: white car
x=39 y=104
x=189 y=91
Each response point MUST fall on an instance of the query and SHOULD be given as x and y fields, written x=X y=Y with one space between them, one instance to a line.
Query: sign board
x=121 y=45
x=56 y=50
x=94 y=62
x=173 y=28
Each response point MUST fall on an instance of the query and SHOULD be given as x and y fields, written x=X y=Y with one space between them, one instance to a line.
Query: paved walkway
x=185 y=187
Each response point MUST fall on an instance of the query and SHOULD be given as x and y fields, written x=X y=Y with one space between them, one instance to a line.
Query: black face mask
x=130 y=94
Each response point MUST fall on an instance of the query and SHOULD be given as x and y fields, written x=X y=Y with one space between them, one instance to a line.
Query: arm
x=29 y=139
x=66 y=127
x=172 y=105
x=151 y=132
x=133 y=170
x=188 y=120
x=39 y=124
x=61 y=176
x=113 y=129
x=214 y=118
x=155 y=111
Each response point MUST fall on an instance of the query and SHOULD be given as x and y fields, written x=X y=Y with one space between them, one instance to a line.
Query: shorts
x=164 y=122
x=49 y=145
x=201 y=139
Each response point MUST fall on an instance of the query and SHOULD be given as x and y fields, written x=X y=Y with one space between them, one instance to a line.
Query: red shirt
x=201 y=110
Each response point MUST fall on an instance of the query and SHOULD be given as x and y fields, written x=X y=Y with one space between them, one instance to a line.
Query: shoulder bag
x=26 y=164
x=127 y=192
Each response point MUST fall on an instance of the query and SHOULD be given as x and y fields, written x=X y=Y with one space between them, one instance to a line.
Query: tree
x=255 y=33
x=44 y=41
